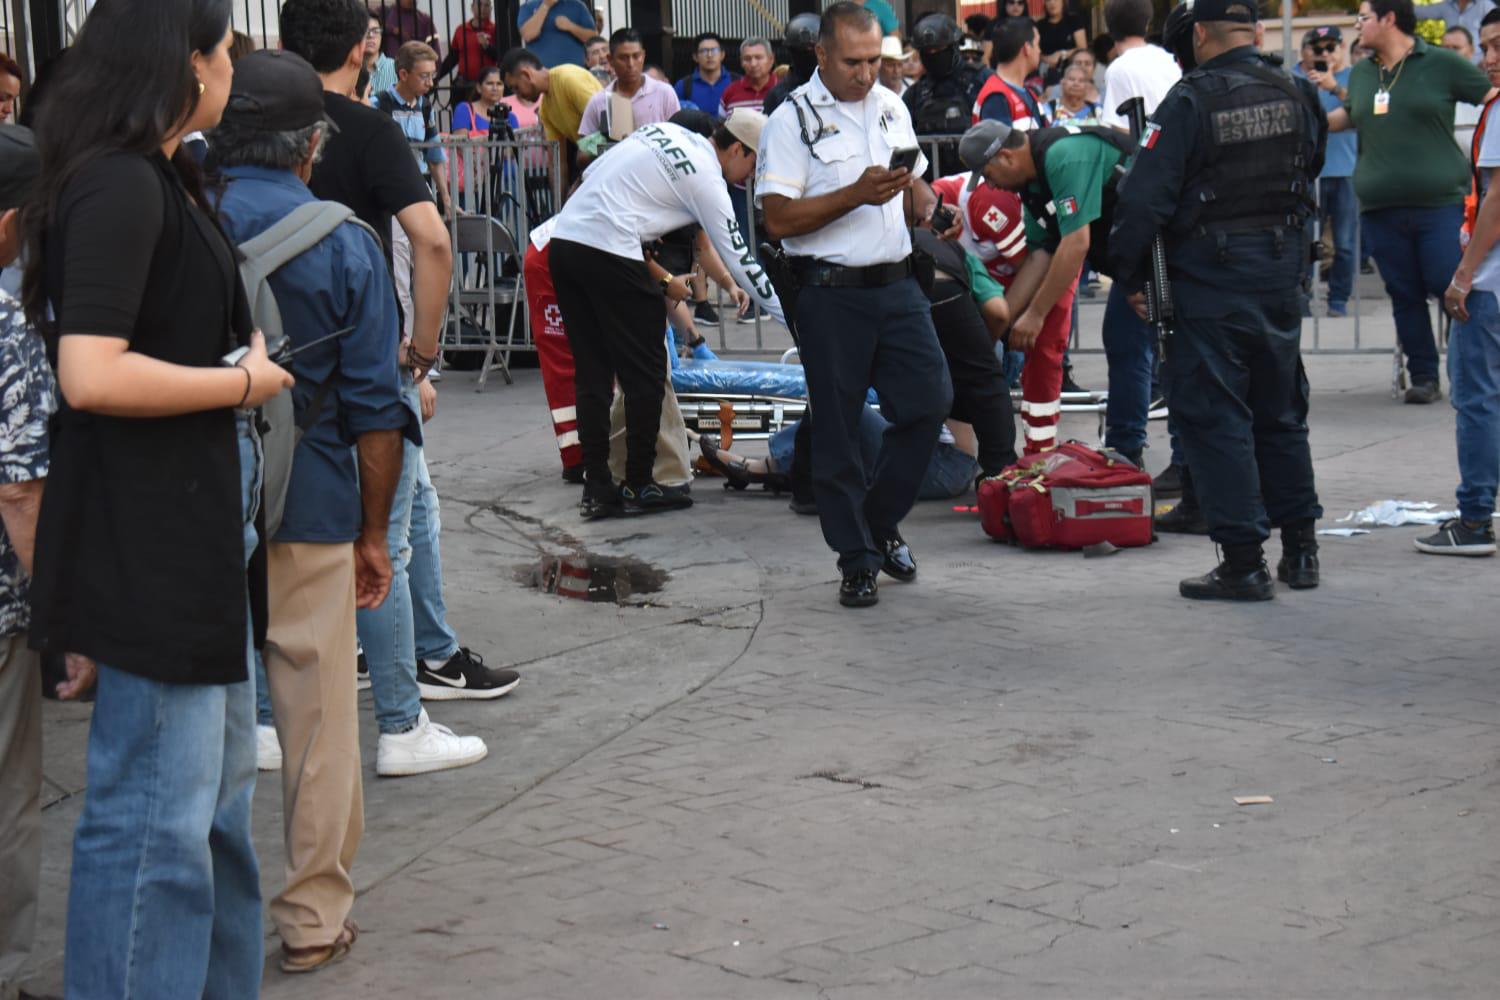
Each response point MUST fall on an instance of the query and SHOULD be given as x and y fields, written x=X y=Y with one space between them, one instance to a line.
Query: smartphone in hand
x=905 y=158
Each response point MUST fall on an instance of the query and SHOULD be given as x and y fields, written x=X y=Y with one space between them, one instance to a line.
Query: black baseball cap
x=1243 y=11
x=1325 y=33
x=20 y=166
x=275 y=90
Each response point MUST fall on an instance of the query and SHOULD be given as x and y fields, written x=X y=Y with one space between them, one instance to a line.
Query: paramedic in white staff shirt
x=662 y=178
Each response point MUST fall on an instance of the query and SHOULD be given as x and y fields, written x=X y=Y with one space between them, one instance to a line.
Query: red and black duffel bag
x=1068 y=498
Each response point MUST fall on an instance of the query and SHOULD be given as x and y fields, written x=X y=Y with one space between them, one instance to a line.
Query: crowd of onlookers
x=225 y=604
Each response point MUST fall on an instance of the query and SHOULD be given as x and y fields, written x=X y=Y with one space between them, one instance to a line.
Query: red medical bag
x=1068 y=498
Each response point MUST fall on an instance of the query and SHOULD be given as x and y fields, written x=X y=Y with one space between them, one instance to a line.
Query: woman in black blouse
x=140 y=552
x=1062 y=33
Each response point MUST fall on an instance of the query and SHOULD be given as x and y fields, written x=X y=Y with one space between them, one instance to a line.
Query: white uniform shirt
x=661 y=178
x=854 y=136
x=1146 y=71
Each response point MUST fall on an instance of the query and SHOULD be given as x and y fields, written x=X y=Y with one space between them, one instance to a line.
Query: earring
x=201 y=87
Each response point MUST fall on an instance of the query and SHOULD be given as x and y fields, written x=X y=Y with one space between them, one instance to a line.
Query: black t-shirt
x=1059 y=37
x=140 y=555
x=368 y=166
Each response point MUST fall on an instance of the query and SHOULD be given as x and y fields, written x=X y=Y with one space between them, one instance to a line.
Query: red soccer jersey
x=994 y=225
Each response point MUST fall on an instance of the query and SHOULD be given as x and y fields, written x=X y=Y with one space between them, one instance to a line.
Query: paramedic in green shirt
x=1411 y=177
x=1066 y=177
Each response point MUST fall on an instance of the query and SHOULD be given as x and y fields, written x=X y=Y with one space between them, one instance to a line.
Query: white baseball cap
x=745 y=125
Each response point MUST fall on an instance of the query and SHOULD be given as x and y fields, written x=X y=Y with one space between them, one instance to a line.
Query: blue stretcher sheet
x=742 y=378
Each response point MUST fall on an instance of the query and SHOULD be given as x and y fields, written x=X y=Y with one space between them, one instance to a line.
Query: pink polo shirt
x=654 y=102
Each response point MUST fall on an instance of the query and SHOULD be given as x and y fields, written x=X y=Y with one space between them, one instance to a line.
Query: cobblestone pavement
x=1015 y=777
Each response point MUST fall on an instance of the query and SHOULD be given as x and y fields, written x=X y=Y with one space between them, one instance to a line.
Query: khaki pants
x=310 y=657
x=20 y=806
x=674 y=465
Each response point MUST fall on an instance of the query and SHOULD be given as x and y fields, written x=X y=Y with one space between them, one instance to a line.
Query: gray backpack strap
x=299 y=232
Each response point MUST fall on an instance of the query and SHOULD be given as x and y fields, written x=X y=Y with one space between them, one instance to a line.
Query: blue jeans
x=387 y=632
x=1128 y=348
x=949 y=472
x=1417 y=251
x=1336 y=195
x=1474 y=386
x=435 y=641
x=165 y=894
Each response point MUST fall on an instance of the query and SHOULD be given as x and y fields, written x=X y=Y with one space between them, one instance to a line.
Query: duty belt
x=812 y=271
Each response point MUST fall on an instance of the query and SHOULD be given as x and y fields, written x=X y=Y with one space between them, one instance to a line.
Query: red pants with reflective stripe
x=553 y=353
x=1041 y=378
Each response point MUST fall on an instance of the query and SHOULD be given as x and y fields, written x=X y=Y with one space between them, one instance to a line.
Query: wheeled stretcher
x=763 y=396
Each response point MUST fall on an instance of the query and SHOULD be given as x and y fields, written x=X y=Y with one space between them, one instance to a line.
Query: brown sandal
x=297 y=960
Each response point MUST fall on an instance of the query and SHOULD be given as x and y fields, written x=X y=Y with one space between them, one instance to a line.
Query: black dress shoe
x=653 y=498
x=860 y=589
x=1184 y=519
x=898 y=561
x=1229 y=582
x=573 y=474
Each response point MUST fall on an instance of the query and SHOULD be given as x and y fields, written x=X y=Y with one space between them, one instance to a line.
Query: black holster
x=774 y=261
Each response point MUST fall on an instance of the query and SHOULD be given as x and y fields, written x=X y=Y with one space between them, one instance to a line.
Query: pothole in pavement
x=584 y=576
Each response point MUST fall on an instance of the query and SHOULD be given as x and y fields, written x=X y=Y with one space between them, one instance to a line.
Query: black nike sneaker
x=464 y=676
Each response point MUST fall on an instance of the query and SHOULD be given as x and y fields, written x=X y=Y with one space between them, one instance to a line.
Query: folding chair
x=485 y=288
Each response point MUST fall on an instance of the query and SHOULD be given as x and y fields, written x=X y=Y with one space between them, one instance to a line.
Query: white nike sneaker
x=267 y=749
x=428 y=747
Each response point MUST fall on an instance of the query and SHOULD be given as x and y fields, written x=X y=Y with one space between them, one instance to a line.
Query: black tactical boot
x=1298 y=567
x=1242 y=576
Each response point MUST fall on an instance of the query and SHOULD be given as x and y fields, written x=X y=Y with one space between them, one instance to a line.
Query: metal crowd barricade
x=501 y=188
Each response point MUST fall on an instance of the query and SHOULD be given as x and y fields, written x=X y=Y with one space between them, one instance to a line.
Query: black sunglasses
x=1324 y=50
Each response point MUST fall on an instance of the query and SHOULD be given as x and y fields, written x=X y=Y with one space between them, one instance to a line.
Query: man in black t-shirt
x=368 y=166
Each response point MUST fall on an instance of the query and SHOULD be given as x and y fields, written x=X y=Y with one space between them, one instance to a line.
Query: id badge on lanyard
x=1382 y=102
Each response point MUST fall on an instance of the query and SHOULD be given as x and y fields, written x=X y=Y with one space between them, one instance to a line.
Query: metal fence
x=942 y=156
x=501 y=188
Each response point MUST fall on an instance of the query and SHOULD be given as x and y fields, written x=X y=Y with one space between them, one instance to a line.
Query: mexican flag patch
x=1067 y=206
x=1148 y=137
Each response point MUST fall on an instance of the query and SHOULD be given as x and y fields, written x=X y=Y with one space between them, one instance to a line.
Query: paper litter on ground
x=1394 y=513
x=1253 y=800
x=1343 y=532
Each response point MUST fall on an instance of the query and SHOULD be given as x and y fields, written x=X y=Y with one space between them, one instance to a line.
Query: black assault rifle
x=1158 y=286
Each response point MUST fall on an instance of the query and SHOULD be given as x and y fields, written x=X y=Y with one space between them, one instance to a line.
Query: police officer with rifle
x=1224 y=175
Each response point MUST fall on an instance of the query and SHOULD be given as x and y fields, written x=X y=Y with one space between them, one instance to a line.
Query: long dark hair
x=478 y=92
x=127 y=84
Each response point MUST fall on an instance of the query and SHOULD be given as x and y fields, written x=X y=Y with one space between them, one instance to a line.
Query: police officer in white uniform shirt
x=661 y=178
x=842 y=215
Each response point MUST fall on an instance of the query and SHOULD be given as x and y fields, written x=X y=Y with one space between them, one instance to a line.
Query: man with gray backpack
x=318 y=276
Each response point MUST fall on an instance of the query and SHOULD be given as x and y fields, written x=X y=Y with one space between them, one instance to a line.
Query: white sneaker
x=267 y=749
x=428 y=747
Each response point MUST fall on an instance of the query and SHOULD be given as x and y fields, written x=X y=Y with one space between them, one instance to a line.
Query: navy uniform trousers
x=851 y=339
x=1239 y=393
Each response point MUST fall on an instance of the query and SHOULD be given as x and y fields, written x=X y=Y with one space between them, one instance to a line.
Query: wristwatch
x=666 y=281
